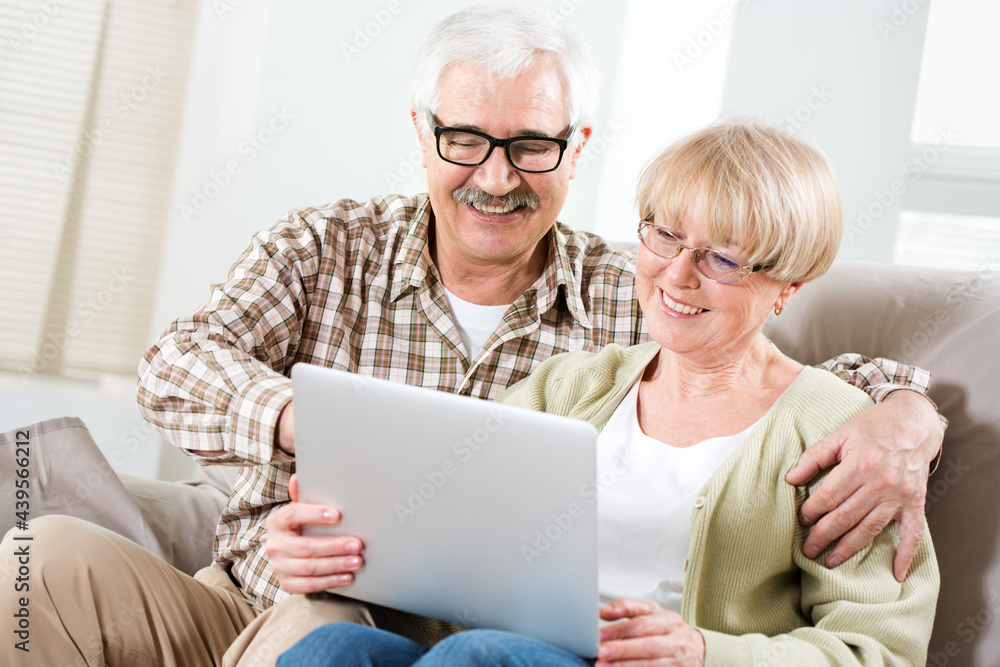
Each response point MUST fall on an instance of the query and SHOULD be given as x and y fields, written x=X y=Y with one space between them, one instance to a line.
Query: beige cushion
x=69 y=475
x=183 y=515
x=949 y=323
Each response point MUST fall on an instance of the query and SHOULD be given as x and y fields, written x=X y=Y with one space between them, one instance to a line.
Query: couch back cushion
x=947 y=322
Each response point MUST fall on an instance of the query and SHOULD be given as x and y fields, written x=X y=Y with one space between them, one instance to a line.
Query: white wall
x=109 y=411
x=669 y=82
x=844 y=74
x=207 y=228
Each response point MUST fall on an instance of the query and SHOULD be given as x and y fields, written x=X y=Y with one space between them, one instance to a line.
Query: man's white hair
x=505 y=40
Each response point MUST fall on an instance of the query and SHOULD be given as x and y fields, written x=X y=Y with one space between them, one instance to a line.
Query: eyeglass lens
x=529 y=154
x=711 y=263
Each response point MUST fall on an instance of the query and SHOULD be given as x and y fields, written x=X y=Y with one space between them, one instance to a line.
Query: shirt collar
x=563 y=275
x=413 y=262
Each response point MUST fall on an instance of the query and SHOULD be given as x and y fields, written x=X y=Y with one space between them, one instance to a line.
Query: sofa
x=942 y=320
x=949 y=323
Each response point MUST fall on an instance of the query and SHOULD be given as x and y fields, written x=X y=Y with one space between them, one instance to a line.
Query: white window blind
x=91 y=96
x=942 y=240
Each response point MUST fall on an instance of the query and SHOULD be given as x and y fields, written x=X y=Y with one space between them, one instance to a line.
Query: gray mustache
x=476 y=197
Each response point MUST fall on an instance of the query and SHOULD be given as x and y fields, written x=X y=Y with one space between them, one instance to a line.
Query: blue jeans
x=363 y=646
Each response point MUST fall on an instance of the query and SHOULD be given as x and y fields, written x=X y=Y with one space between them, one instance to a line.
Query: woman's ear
x=786 y=295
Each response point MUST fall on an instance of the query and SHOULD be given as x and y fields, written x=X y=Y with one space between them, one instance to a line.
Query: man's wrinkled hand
x=881 y=462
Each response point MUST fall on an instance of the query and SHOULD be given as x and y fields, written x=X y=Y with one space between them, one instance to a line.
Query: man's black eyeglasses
x=535 y=155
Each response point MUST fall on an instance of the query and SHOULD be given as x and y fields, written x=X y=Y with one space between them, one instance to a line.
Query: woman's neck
x=704 y=375
x=684 y=400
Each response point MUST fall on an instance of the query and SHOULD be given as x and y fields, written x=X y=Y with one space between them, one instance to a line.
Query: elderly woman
x=700 y=547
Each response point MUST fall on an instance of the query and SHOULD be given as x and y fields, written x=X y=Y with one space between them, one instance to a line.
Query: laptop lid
x=471 y=512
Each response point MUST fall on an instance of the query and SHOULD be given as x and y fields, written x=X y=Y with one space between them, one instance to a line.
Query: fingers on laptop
x=311 y=575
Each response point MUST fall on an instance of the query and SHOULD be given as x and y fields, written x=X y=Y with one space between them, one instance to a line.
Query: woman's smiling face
x=696 y=317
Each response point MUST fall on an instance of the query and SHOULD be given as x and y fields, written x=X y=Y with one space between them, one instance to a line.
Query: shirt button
x=699 y=502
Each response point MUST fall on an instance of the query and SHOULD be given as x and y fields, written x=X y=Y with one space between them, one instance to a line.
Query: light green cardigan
x=756 y=599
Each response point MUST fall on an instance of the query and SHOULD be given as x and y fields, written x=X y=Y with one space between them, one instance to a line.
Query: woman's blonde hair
x=759 y=187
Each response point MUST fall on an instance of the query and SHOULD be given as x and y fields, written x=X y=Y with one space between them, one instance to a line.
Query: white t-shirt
x=475 y=323
x=646 y=493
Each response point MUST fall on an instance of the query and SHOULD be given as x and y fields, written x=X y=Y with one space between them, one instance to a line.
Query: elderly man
x=465 y=289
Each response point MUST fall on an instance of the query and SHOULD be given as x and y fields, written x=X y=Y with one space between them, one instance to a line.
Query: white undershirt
x=475 y=323
x=647 y=491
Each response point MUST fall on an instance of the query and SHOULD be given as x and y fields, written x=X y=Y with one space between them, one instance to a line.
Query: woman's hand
x=304 y=564
x=650 y=635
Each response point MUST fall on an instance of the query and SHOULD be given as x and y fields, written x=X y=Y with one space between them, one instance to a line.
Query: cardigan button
x=699 y=502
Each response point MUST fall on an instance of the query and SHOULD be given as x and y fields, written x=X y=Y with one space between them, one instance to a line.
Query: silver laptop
x=470 y=512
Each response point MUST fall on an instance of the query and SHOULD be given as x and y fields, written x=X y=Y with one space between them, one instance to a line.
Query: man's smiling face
x=501 y=228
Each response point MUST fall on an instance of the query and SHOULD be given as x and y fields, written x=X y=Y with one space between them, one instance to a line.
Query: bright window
x=942 y=240
x=951 y=214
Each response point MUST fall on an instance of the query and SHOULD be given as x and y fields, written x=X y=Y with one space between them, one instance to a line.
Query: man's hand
x=882 y=460
x=651 y=635
x=309 y=564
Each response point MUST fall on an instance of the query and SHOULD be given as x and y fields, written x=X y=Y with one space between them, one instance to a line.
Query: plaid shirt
x=351 y=286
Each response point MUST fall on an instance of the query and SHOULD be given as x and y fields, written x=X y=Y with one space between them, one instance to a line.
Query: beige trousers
x=94 y=598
